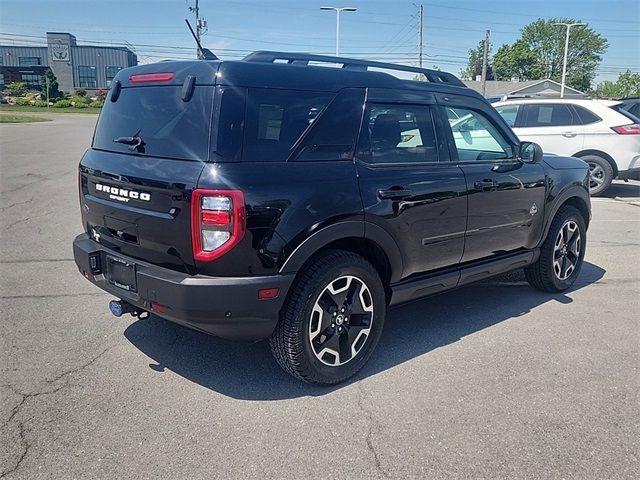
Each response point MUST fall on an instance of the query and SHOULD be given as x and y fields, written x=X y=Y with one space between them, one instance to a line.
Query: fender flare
x=573 y=191
x=341 y=230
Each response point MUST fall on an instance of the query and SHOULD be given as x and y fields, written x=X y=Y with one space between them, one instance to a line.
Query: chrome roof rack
x=434 y=76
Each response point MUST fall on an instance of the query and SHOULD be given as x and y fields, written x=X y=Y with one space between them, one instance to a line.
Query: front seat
x=386 y=132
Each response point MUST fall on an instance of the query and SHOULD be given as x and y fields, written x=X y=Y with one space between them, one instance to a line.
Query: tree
x=627 y=85
x=474 y=66
x=53 y=85
x=516 y=61
x=585 y=51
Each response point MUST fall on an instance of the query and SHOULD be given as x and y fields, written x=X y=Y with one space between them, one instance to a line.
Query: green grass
x=31 y=108
x=9 y=118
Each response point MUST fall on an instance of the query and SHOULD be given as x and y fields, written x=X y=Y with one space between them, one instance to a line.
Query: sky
x=385 y=30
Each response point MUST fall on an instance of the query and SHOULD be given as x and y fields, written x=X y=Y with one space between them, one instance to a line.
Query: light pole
x=338 y=10
x=566 y=51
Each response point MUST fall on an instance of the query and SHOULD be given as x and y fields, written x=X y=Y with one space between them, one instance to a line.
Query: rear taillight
x=217 y=222
x=632 y=129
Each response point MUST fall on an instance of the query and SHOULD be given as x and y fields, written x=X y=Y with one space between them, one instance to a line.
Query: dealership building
x=75 y=66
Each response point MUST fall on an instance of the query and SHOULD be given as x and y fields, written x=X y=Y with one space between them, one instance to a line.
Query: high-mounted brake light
x=632 y=129
x=217 y=222
x=151 y=77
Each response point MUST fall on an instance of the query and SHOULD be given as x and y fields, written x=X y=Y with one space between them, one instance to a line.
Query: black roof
x=300 y=71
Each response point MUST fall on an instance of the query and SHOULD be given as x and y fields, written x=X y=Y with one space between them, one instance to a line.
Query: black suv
x=277 y=198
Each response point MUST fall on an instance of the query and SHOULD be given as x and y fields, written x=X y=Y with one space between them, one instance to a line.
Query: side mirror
x=530 y=152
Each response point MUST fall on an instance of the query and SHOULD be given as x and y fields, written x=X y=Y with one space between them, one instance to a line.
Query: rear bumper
x=223 y=306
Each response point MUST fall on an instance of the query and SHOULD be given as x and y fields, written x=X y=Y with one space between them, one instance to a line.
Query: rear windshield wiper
x=135 y=142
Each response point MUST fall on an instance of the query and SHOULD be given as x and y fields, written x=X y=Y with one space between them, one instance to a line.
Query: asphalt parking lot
x=495 y=380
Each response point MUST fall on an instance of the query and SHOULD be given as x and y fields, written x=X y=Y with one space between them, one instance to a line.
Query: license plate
x=121 y=273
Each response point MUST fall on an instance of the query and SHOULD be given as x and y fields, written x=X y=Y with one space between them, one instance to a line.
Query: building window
x=111 y=72
x=26 y=61
x=32 y=80
x=87 y=77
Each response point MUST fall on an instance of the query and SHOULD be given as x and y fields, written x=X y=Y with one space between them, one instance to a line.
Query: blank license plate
x=121 y=273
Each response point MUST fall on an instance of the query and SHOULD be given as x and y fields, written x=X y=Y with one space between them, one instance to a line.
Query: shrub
x=75 y=101
x=80 y=105
x=96 y=104
x=41 y=103
x=17 y=89
x=81 y=92
x=23 y=101
x=64 y=103
x=101 y=95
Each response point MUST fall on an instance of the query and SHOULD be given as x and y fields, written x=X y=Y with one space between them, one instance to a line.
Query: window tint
x=398 y=134
x=509 y=113
x=549 y=115
x=168 y=126
x=475 y=136
x=586 y=116
x=276 y=119
x=230 y=108
x=334 y=134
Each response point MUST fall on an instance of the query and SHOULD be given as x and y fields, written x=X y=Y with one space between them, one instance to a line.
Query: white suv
x=597 y=131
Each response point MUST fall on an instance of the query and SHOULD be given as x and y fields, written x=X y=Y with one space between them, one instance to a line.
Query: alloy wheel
x=341 y=320
x=566 y=252
x=596 y=176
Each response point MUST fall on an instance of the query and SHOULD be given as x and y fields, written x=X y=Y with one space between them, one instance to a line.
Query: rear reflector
x=267 y=293
x=215 y=217
x=632 y=129
x=151 y=77
x=156 y=307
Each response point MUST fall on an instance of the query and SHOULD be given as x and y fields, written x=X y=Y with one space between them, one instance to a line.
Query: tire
x=558 y=253
x=601 y=174
x=307 y=332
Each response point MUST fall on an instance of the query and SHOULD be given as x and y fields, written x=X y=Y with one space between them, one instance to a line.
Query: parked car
x=631 y=105
x=272 y=199
x=600 y=132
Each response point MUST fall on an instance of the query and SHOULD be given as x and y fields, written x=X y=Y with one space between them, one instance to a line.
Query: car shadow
x=623 y=189
x=247 y=370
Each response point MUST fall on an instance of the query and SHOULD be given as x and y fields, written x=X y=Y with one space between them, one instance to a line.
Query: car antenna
x=205 y=53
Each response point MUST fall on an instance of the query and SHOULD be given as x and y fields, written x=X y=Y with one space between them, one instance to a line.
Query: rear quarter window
x=276 y=119
x=168 y=126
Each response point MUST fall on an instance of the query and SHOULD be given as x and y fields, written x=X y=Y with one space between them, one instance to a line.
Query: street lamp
x=566 y=50
x=338 y=10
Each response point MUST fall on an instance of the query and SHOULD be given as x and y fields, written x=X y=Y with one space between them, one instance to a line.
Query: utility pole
x=566 y=51
x=201 y=24
x=420 y=41
x=338 y=10
x=485 y=61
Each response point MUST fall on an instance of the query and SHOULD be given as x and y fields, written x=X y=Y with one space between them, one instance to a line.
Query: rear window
x=620 y=109
x=168 y=126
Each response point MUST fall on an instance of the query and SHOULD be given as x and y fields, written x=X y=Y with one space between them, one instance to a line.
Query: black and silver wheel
x=600 y=174
x=332 y=319
x=561 y=254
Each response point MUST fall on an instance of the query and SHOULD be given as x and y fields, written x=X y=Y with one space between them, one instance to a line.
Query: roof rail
x=434 y=76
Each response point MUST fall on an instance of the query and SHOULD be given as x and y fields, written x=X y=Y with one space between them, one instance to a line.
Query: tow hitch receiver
x=120 y=307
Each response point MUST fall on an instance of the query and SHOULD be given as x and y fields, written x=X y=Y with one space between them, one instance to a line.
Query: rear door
x=556 y=127
x=505 y=196
x=408 y=186
x=149 y=149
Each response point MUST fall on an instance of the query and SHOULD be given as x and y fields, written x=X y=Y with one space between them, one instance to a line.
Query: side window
x=275 y=120
x=334 y=133
x=475 y=137
x=549 y=115
x=509 y=113
x=585 y=116
x=398 y=134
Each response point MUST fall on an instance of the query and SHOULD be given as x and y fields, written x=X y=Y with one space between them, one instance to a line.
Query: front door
x=408 y=185
x=505 y=195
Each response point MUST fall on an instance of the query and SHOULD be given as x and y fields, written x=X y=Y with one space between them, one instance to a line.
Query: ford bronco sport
x=276 y=198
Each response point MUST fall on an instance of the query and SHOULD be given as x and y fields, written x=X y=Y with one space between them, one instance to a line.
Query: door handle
x=485 y=184
x=394 y=193
x=569 y=134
